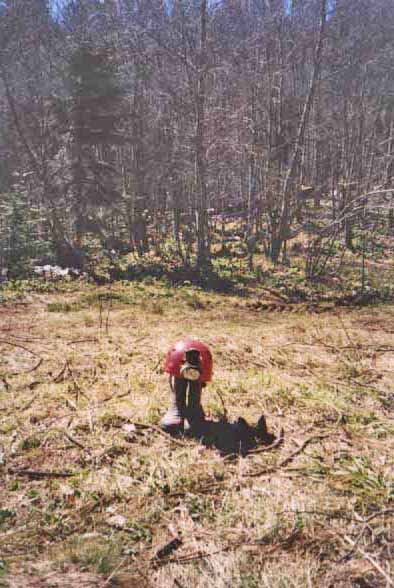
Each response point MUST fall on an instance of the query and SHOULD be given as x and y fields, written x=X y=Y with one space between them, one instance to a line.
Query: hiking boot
x=173 y=420
x=194 y=411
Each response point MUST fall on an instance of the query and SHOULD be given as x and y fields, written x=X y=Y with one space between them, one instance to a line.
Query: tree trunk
x=287 y=187
x=202 y=202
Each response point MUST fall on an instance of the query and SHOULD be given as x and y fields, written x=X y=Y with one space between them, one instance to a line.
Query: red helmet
x=182 y=352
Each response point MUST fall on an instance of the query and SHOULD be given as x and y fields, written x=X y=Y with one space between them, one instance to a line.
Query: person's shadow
x=238 y=438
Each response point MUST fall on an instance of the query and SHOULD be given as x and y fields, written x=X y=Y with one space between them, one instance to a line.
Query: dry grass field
x=93 y=494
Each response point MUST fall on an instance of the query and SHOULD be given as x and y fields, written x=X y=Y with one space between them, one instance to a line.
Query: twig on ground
x=157 y=364
x=115 y=396
x=77 y=389
x=365 y=522
x=6 y=534
x=277 y=443
x=293 y=455
x=142 y=426
x=123 y=395
x=75 y=441
x=289 y=458
x=92 y=340
x=345 y=329
x=225 y=413
x=194 y=556
x=19 y=346
x=372 y=561
x=38 y=475
x=34 y=368
x=379 y=513
x=360 y=347
x=335 y=514
x=33 y=353
x=59 y=378
x=6 y=384
x=368 y=387
x=28 y=404
x=115 y=571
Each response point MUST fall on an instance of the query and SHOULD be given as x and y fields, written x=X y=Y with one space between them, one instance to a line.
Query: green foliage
x=3 y=571
x=140 y=532
x=60 y=307
x=250 y=581
x=359 y=477
x=95 y=555
x=6 y=515
x=93 y=74
x=199 y=507
x=20 y=239
x=30 y=443
x=193 y=300
x=96 y=100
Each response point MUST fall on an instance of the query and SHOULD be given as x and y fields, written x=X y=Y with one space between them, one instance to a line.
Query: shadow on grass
x=227 y=280
x=209 y=280
x=232 y=439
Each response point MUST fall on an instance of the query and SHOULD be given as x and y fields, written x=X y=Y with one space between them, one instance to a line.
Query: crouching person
x=189 y=363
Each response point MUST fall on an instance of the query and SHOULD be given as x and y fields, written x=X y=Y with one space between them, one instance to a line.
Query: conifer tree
x=96 y=116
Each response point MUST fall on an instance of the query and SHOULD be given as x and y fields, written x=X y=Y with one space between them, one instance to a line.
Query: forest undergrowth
x=94 y=494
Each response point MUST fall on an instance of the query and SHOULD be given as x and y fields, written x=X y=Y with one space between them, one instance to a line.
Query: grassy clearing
x=75 y=381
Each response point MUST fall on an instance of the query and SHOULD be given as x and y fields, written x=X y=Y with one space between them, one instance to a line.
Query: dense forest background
x=195 y=130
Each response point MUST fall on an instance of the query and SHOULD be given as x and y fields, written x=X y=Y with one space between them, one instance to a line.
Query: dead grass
x=262 y=520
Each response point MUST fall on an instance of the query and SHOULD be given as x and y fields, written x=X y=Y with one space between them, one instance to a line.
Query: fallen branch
x=380 y=513
x=277 y=443
x=33 y=353
x=350 y=341
x=38 y=475
x=115 y=396
x=142 y=427
x=6 y=384
x=293 y=455
x=94 y=340
x=289 y=458
x=28 y=404
x=334 y=514
x=157 y=364
x=357 y=347
x=372 y=561
x=35 y=367
x=194 y=556
x=59 y=378
x=19 y=346
x=225 y=413
x=77 y=388
x=368 y=387
x=28 y=371
x=74 y=441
